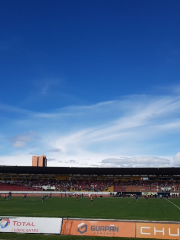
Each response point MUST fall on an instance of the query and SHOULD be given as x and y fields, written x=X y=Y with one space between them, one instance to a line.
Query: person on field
x=91 y=198
x=136 y=197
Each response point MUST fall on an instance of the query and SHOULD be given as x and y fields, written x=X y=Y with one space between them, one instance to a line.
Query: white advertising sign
x=30 y=225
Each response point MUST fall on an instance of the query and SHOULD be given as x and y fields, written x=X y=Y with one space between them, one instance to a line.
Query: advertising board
x=98 y=228
x=157 y=230
x=31 y=225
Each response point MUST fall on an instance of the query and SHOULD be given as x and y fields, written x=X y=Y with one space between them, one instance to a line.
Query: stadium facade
x=10 y=173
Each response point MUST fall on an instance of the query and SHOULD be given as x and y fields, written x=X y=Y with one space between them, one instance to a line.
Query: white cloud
x=133 y=131
x=134 y=126
x=177 y=159
x=19 y=159
x=137 y=161
x=92 y=160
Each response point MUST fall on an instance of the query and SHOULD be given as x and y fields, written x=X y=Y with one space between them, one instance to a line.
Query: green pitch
x=102 y=208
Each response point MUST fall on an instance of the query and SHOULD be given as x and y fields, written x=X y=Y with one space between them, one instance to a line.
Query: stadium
x=125 y=195
x=107 y=181
x=95 y=86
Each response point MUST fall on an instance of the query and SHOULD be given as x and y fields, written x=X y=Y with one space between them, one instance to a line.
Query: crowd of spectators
x=91 y=185
x=66 y=185
x=150 y=185
x=99 y=185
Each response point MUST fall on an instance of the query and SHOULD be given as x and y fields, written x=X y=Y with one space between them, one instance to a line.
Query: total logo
x=82 y=228
x=4 y=222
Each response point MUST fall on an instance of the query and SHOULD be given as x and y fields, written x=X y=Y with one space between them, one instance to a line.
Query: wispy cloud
x=5 y=108
x=51 y=159
x=46 y=86
x=21 y=140
x=55 y=150
x=137 y=161
x=177 y=159
x=136 y=130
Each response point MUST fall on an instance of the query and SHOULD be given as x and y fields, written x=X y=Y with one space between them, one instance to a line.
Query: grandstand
x=110 y=180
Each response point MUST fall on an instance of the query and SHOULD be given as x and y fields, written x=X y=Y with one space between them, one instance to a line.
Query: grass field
x=103 y=208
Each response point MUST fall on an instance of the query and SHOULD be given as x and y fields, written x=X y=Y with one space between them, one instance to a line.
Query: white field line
x=173 y=203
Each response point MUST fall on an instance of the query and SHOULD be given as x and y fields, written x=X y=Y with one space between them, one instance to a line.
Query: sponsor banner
x=158 y=230
x=30 y=225
x=149 y=193
x=98 y=228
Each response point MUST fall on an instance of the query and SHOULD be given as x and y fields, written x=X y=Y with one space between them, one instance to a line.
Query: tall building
x=39 y=161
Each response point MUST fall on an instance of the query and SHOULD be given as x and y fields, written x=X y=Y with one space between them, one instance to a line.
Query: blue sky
x=90 y=83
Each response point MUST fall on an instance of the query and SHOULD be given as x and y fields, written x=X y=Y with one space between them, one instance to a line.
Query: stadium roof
x=89 y=171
